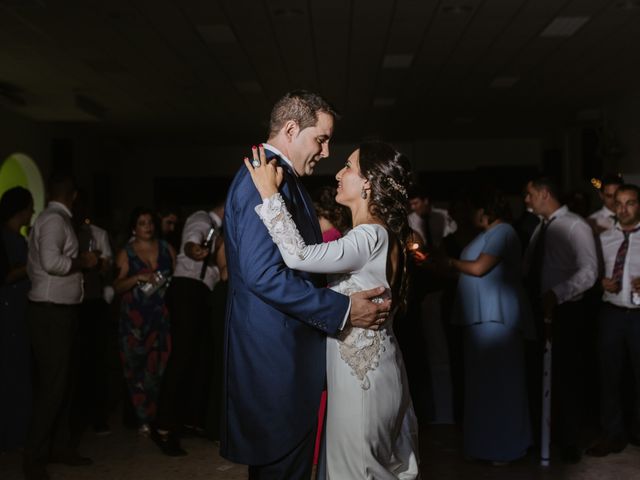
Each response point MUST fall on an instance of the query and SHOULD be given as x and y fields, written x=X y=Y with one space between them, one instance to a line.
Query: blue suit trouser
x=296 y=465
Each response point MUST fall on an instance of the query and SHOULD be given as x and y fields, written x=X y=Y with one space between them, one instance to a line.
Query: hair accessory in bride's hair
x=396 y=186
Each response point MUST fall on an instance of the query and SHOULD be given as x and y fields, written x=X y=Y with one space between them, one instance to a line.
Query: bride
x=371 y=428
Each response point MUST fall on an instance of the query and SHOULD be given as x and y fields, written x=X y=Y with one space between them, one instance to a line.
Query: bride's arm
x=347 y=254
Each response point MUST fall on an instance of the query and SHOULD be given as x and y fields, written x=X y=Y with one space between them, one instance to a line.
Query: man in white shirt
x=189 y=302
x=562 y=265
x=430 y=223
x=55 y=270
x=605 y=218
x=619 y=322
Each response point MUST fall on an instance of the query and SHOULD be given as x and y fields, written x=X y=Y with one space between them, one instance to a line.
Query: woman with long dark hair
x=371 y=427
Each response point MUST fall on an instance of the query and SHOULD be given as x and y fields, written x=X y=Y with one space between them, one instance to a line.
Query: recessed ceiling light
x=397 y=60
x=457 y=9
x=562 y=27
x=504 y=82
x=384 y=102
x=219 y=33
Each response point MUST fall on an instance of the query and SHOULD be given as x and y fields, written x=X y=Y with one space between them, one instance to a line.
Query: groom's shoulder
x=241 y=185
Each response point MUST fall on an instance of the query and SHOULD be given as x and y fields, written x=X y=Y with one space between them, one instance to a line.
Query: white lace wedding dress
x=371 y=427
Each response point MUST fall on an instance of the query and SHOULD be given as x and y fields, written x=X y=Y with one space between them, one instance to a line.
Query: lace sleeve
x=345 y=255
x=275 y=216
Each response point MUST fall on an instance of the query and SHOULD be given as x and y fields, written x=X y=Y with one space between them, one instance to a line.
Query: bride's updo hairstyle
x=388 y=172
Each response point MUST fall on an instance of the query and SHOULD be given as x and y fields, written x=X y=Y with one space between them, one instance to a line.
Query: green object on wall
x=18 y=170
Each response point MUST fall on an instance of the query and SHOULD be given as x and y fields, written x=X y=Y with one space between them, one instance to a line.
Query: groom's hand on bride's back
x=368 y=314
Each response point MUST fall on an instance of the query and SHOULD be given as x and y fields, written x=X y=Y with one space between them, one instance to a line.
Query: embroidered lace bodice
x=354 y=262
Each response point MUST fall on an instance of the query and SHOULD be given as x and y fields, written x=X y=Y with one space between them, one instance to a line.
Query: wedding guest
x=189 y=300
x=216 y=356
x=16 y=210
x=168 y=223
x=431 y=223
x=619 y=322
x=54 y=266
x=562 y=266
x=144 y=265
x=492 y=308
x=432 y=226
x=604 y=218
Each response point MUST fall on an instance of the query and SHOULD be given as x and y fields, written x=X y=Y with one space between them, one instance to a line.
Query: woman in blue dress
x=16 y=210
x=492 y=307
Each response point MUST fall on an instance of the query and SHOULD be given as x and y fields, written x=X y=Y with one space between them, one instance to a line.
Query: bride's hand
x=266 y=176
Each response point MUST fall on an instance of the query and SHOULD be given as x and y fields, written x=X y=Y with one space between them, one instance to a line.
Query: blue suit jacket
x=276 y=324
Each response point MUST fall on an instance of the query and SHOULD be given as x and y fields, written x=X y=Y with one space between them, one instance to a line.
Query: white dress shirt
x=604 y=218
x=101 y=239
x=52 y=246
x=94 y=280
x=611 y=240
x=195 y=230
x=281 y=155
x=570 y=264
x=440 y=223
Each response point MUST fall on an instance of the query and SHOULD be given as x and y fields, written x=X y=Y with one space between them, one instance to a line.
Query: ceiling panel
x=410 y=25
x=293 y=29
x=332 y=31
x=603 y=41
x=215 y=67
x=251 y=25
x=367 y=45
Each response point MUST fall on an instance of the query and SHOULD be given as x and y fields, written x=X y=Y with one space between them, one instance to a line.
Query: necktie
x=618 y=266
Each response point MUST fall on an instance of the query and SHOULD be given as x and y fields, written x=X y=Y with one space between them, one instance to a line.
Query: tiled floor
x=124 y=455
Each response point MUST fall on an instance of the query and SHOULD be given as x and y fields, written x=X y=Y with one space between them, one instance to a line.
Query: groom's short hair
x=300 y=106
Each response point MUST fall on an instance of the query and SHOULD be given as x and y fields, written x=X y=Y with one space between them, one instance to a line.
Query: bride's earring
x=363 y=193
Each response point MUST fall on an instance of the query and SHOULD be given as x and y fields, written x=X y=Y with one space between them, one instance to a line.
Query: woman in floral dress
x=143 y=332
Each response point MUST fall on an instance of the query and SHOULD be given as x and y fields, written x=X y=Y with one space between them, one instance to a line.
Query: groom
x=277 y=319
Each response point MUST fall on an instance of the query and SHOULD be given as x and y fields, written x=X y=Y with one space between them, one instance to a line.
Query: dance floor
x=124 y=455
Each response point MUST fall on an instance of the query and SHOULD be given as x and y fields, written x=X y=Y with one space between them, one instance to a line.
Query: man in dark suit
x=277 y=319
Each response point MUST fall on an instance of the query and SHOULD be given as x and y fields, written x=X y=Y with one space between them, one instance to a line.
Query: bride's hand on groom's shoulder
x=368 y=314
x=266 y=176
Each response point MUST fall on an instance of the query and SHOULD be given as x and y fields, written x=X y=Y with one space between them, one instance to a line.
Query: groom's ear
x=291 y=129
